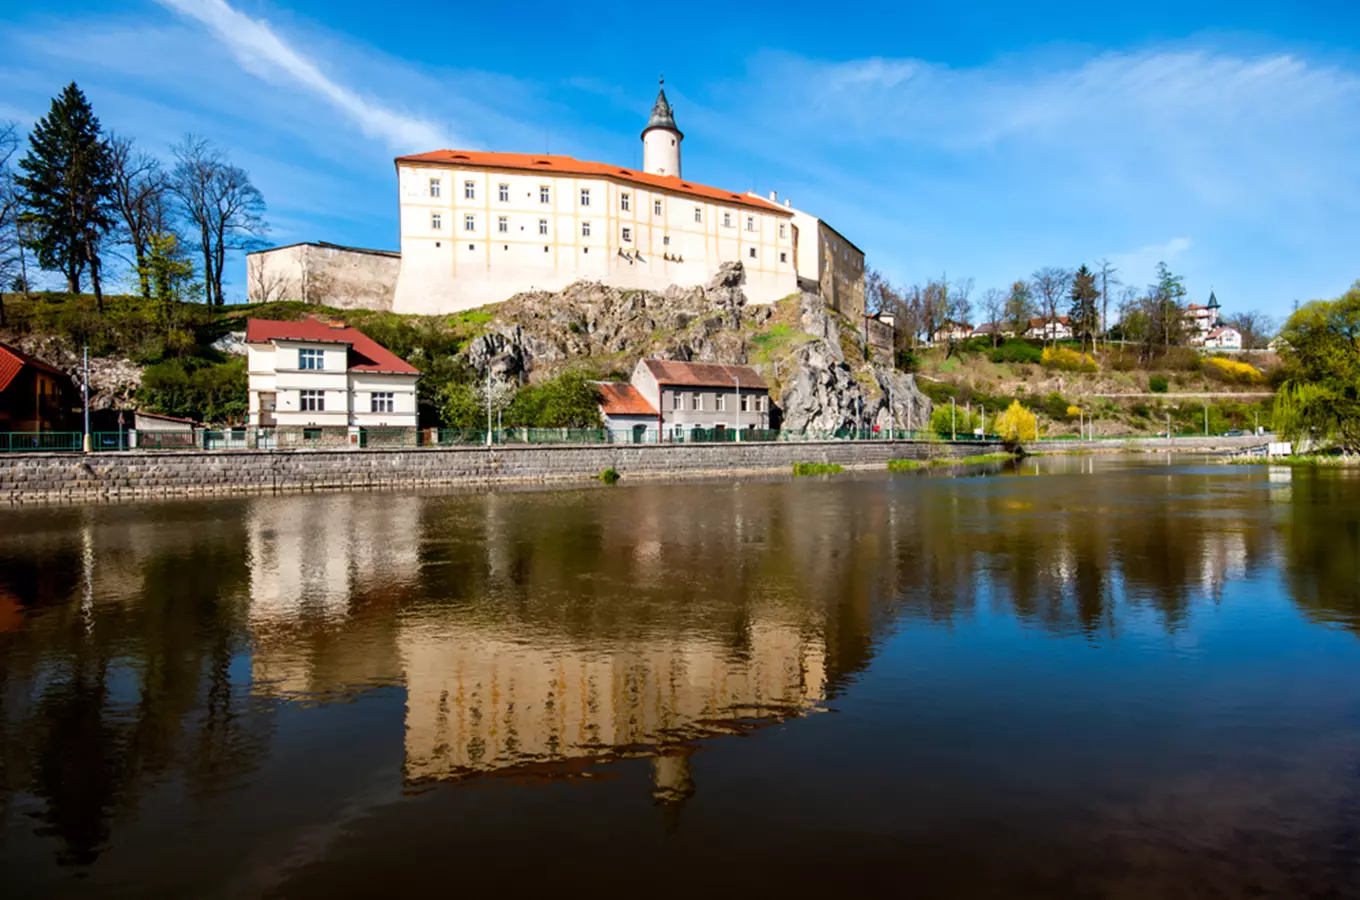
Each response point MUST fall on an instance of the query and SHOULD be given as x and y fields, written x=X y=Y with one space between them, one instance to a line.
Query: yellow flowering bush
x=1230 y=370
x=1068 y=360
x=1017 y=424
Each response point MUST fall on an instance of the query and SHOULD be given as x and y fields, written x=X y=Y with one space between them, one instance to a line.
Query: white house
x=952 y=331
x=1056 y=329
x=626 y=413
x=1201 y=320
x=311 y=374
x=1223 y=338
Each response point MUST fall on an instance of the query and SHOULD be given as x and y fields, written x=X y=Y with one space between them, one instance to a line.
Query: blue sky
x=978 y=140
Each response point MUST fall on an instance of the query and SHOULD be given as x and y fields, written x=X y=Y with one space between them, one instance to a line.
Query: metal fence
x=19 y=441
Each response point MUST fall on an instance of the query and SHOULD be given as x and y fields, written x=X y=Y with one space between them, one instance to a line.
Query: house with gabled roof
x=34 y=396
x=703 y=396
x=313 y=374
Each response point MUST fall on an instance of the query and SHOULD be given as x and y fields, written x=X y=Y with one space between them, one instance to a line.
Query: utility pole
x=488 y=403
x=87 y=444
x=736 y=381
x=1206 y=420
x=892 y=404
x=953 y=423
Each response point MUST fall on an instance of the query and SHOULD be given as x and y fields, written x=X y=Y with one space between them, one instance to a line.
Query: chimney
x=774 y=196
x=788 y=204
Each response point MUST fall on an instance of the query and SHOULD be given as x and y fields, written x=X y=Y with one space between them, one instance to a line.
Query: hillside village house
x=1202 y=320
x=686 y=397
x=952 y=331
x=314 y=375
x=477 y=227
x=1045 y=329
x=34 y=397
x=626 y=413
x=1223 y=338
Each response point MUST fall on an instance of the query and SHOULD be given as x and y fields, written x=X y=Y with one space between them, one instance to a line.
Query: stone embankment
x=57 y=477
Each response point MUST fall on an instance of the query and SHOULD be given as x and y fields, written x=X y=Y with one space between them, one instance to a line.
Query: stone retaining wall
x=49 y=477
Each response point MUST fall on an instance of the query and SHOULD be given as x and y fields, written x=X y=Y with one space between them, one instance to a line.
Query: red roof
x=1041 y=321
x=618 y=398
x=683 y=374
x=566 y=165
x=365 y=354
x=13 y=361
x=1222 y=330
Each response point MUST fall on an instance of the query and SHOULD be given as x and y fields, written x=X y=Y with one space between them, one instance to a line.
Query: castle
x=478 y=227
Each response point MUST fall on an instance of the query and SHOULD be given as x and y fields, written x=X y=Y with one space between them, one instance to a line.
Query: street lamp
x=736 y=381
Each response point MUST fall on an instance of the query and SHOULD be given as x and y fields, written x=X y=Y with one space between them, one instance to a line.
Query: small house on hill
x=1223 y=338
x=705 y=397
x=1058 y=328
x=952 y=331
x=626 y=412
x=34 y=396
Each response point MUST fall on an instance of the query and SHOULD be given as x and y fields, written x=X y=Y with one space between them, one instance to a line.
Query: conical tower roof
x=663 y=116
x=1213 y=301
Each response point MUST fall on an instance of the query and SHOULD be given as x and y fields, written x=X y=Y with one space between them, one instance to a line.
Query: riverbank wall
x=68 y=477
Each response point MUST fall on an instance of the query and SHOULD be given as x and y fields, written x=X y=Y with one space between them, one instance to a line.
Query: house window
x=627 y=235
x=727 y=220
x=503 y=224
x=696 y=402
x=585 y=196
x=311 y=360
x=544 y=194
x=677 y=400
x=585 y=229
x=436 y=222
x=625 y=202
x=750 y=223
x=656 y=207
x=382 y=402
x=721 y=404
x=760 y=403
x=542 y=226
x=503 y=193
x=745 y=403
x=699 y=214
x=469 y=222
x=469 y=190
x=782 y=228
x=434 y=187
x=312 y=401
x=753 y=253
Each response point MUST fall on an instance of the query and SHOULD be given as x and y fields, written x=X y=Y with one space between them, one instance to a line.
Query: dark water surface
x=1078 y=677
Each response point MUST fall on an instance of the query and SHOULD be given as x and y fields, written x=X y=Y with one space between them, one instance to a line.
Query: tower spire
x=661 y=138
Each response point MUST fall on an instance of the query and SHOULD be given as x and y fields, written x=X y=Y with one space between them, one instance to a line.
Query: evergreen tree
x=68 y=183
x=1085 y=314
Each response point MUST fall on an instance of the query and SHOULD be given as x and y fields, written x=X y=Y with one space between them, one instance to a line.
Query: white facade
x=284 y=393
x=1224 y=338
x=1059 y=329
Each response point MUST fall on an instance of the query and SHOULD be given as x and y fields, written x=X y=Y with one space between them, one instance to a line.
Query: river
x=1121 y=677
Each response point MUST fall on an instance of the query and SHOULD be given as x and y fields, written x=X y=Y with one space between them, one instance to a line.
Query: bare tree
x=994 y=307
x=11 y=200
x=141 y=193
x=1051 y=284
x=1256 y=328
x=225 y=210
x=1109 y=278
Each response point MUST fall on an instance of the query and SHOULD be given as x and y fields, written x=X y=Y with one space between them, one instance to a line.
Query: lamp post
x=87 y=443
x=736 y=382
x=488 y=403
x=953 y=422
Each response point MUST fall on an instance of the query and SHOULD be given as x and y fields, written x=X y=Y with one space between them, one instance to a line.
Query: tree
x=1256 y=328
x=1019 y=307
x=1017 y=425
x=140 y=196
x=1084 y=313
x=994 y=307
x=877 y=293
x=1050 y=285
x=1319 y=401
x=223 y=207
x=1108 y=279
x=68 y=189
x=11 y=201
x=1166 y=294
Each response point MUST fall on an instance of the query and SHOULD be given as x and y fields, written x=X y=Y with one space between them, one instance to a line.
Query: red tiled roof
x=12 y=362
x=566 y=165
x=683 y=374
x=1041 y=321
x=1220 y=330
x=365 y=354
x=618 y=398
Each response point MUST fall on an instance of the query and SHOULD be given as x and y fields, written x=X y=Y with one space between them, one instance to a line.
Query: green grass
x=816 y=468
x=609 y=476
x=908 y=465
x=1326 y=462
x=904 y=465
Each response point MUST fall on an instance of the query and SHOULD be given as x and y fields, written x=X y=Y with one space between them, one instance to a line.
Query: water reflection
x=151 y=655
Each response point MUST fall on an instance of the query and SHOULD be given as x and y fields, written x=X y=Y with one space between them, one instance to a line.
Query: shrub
x=904 y=465
x=1014 y=350
x=197 y=390
x=1073 y=412
x=1158 y=384
x=1180 y=359
x=1068 y=360
x=609 y=476
x=945 y=424
x=568 y=401
x=1055 y=406
x=1017 y=424
x=1122 y=361
x=1231 y=371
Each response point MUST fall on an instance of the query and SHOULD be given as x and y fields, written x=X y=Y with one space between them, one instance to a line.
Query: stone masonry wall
x=49 y=477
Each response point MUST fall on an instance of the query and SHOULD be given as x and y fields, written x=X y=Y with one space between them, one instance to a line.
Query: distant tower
x=1213 y=309
x=661 y=139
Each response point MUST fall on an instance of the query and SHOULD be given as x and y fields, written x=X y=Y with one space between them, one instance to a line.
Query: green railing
x=21 y=441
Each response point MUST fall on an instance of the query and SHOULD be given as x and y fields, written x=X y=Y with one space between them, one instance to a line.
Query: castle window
x=503 y=224
x=503 y=193
x=469 y=222
x=666 y=241
x=627 y=235
x=436 y=222
x=472 y=246
x=625 y=202
x=782 y=229
x=434 y=187
x=699 y=214
x=542 y=226
x=753 y=253
x=469 y=190
x=656 y=207
x=544 y=194
x=585 y=196
x=750 y=223
x=783 y=257
x=727 y=220
x=585 y=229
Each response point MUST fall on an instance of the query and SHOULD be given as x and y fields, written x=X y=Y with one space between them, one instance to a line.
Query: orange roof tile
x=619 y=398
x=567 y=165
x=12 y=361
x=683 y=374
x=365 y=354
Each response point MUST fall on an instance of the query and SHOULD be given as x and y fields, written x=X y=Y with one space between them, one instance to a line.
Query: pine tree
x=68 y=183
x=1084 y=312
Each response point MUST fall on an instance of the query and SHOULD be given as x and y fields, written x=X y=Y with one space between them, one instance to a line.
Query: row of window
x=378 y=401
x=696 y=402
x=625 y=203
x=503 y=227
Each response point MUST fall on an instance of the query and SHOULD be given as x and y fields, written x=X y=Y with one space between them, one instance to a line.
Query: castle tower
x=661 y=139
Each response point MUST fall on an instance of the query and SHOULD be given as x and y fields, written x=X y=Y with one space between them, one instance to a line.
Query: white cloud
x=261 y=51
